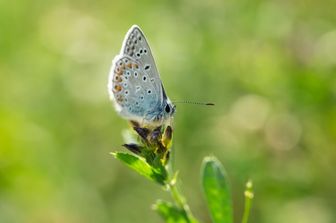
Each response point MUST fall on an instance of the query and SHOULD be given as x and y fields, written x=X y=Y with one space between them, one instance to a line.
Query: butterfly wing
x=132 y=89
x=134 y=82
x=136 y=46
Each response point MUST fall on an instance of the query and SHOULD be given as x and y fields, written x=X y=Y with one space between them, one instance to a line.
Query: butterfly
x=134 y=83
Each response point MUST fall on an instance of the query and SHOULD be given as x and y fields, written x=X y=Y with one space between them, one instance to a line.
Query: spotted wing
x=132 y=89
x=136 y=46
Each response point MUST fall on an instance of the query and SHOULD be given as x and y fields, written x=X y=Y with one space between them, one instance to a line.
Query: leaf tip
x=210 y=158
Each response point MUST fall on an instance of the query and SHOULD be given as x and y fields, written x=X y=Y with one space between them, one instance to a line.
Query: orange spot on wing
x=117 y=88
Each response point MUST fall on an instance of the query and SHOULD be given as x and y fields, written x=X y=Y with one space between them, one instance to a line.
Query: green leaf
x=138 y=164
x=170 y=213
x=216 y=190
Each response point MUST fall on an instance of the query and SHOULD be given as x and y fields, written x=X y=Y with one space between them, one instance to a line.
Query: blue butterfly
x=134 y=83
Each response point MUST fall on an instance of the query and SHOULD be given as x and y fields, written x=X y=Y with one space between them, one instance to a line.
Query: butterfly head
x=169 y=109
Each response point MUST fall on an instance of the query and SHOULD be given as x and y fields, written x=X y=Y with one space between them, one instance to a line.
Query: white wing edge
x=110 y=83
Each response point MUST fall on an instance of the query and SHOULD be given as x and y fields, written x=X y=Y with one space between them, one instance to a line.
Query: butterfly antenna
x=194 y=103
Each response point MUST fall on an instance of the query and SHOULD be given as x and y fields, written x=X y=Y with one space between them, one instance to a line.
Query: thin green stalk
x=248 y=201
x=180 y=201
x=178 y=198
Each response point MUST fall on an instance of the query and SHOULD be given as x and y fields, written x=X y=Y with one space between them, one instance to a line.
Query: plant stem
x=246 y=210
x=180 y=201
x=248 y=201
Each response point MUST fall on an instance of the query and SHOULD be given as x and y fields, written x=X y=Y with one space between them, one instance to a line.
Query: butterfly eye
x=167 y=108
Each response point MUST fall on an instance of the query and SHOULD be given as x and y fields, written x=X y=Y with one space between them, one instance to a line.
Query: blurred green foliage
x=268 y=65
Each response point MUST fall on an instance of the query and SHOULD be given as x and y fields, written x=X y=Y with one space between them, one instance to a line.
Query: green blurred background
x=268 y=65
